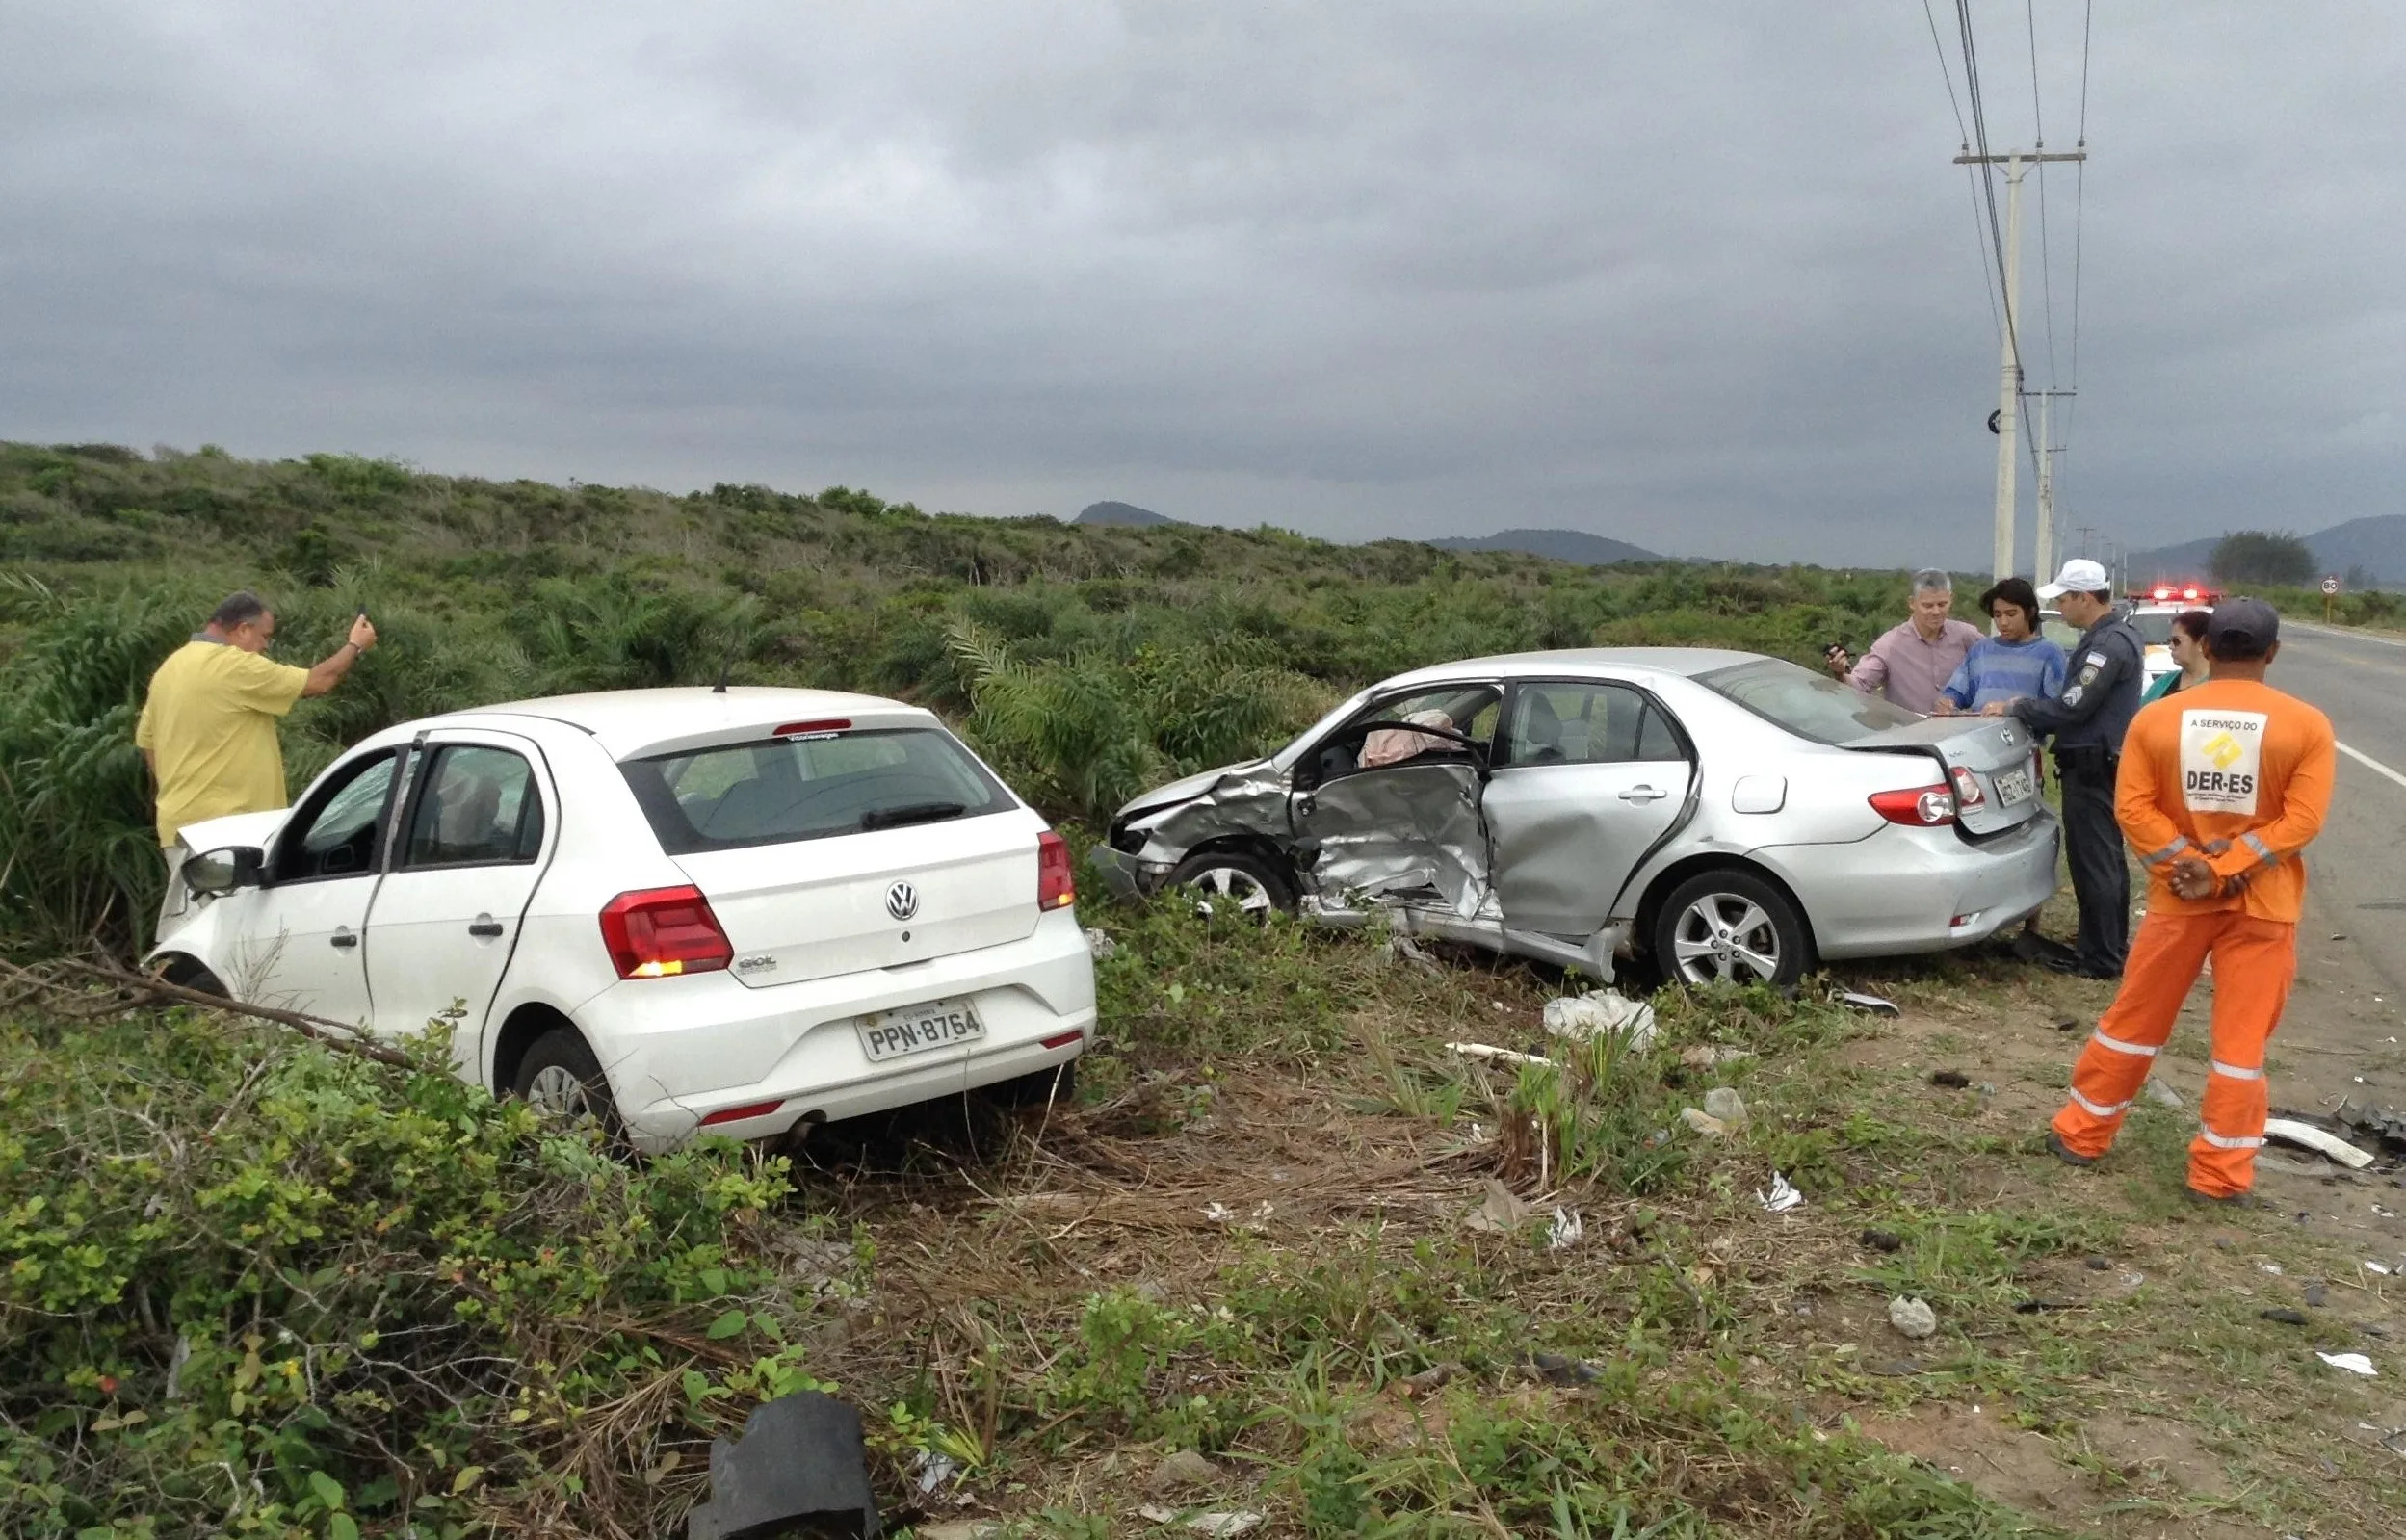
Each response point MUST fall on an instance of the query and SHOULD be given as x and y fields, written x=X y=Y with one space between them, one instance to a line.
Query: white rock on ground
x=1913 y=1317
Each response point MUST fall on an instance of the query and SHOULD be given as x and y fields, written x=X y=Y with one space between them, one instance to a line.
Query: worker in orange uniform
x=2221 y=786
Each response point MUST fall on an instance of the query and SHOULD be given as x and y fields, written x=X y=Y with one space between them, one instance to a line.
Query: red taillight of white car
x=660 y=932
x=1055 y=887
x=1919 y=807
x=1968 y=793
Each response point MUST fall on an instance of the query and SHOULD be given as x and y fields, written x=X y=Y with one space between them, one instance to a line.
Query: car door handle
x=343 y=938
x=1643 y=794
x=484 y=925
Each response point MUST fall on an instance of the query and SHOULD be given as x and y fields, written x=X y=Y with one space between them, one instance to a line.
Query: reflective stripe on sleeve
x=2235 y=1073
x=2223 y=1141
x=2264 y=851
x=2095 y=1110
x=2179 y=844
x=2099 y=1038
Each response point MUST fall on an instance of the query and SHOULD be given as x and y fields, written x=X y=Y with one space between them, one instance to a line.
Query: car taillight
x=1968 y=793
x=659 y=932
x=1055 y=888
x=1922 y=806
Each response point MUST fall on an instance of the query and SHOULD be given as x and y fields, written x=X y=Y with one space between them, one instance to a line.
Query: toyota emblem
x=902 y=900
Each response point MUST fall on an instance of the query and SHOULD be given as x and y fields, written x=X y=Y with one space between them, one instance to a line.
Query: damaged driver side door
x=1387 y=808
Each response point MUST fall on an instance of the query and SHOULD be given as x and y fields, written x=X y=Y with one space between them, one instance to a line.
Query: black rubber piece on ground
x=1882 y=1239
x=2099 y=1265
x=1953 y=1080
x=2287 y=1317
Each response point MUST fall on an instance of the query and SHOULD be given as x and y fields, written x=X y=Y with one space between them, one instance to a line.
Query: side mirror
x=215 y=873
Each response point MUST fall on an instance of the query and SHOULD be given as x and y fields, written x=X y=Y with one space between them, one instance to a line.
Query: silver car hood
x=1188 y=789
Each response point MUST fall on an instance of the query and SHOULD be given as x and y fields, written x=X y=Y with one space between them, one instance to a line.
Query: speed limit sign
x=2330 y=585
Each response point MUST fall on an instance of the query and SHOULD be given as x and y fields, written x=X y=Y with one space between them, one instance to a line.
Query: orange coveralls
x=2229 y=759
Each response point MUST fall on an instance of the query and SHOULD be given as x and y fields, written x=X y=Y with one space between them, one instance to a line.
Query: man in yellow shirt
x=208 y=727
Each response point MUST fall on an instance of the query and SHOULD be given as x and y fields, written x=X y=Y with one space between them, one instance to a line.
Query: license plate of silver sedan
x=2013 y=786
x=919 y=1028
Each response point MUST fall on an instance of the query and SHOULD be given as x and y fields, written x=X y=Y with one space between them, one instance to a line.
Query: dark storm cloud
x=1700 y=277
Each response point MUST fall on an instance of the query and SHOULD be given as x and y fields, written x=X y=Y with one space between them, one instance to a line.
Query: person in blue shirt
x=2016 y=662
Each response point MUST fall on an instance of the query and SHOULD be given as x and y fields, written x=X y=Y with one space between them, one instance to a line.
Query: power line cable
x=2079 y=198
x=1988 y=178
x=1945 y=74
x=2046 y=268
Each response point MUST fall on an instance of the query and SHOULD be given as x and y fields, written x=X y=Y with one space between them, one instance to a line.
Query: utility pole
x=2043 y=556
x=2009 y=371
x=2086 y=529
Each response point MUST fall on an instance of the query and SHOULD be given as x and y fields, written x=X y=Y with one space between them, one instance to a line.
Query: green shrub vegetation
x=1086 y=662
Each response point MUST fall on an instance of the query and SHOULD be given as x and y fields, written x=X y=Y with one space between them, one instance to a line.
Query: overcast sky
x=1698 y=275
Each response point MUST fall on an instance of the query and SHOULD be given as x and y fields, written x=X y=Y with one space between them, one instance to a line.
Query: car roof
x=1610 y=662
x=632 y=721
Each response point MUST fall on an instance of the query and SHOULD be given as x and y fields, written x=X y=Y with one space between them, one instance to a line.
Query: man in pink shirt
x=1911 y=662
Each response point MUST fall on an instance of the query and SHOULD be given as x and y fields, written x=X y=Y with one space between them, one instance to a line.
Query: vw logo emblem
x=902 y=900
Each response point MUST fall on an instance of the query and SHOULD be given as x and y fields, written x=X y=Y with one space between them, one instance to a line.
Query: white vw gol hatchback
x=680 y=909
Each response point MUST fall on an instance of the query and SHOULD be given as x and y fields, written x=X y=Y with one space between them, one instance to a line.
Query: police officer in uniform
x=2102 y=686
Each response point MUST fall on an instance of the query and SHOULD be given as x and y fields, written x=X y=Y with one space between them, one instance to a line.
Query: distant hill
x=1121 y=514
x=1564 y=545
x=2377 y=545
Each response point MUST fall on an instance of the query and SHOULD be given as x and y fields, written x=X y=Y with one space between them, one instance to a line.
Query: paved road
x=2359 y=865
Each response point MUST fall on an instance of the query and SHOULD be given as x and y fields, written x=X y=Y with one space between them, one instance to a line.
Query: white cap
x=2080 y=575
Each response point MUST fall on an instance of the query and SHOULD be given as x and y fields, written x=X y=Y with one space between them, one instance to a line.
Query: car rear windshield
x=2155 y=629
x=1808 y=704
x=810 y=787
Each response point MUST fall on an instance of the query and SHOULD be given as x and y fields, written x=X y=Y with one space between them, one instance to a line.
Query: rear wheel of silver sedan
x=1729 y=926
x=1232 y=884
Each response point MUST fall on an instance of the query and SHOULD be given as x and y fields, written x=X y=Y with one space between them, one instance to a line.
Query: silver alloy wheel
x=555 y=1089
x=1236 y=884
x=1726 y=936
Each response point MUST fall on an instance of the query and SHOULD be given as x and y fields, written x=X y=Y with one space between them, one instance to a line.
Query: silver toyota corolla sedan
x=1730 y=814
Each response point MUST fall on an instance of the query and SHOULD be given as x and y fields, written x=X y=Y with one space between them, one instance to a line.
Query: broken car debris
x=798 y=1469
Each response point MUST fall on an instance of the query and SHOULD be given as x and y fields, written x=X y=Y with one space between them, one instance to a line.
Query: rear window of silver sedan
x=1808 y=704
x=809 y=787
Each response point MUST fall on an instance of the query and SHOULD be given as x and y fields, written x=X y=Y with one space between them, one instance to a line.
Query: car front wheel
x=560 y=1076
x=1729 y=926
x=1227 y=882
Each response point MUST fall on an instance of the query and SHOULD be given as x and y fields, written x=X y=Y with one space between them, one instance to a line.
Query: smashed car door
x=1388 y=810
x=1589 y=777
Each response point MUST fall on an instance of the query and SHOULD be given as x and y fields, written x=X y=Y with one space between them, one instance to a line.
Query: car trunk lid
x=806 y=909
x=1993 y=756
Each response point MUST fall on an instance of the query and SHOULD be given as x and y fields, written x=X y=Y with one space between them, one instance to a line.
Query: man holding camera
x=2103 y=679
x=2223 y=786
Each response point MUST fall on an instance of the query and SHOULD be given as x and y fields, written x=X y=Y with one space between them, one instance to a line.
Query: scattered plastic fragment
x=1219 y=1213
x=2289 y=1131
x=1704 y=1122
x=798 y=1465
x=2377 y=1268
x=1501 y=1056
x=1705 y=1056
x=1912 y=1317
x=932 y=1469
x=1498 y=1210
x=1874 y=1004
x=2353 y=1363
x=1098 y=942
x=2272 y=1268
x=1181 y=1469
x=1566 y=1229
x=1581 y=1018
x=1556 y=1370
x=1225 y=1526
x=1782 y=1197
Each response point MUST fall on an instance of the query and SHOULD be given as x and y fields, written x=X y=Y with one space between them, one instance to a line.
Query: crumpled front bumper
x=1124 y=874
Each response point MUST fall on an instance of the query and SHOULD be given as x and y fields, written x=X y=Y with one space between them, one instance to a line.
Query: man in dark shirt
x=2102 y=682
